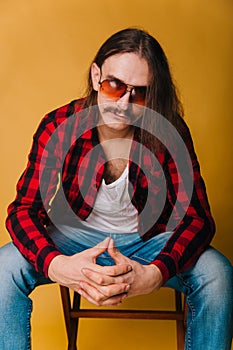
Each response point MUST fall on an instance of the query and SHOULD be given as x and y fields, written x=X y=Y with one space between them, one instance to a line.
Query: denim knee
x=15 y=271
x=210 y=283
x=217 y=272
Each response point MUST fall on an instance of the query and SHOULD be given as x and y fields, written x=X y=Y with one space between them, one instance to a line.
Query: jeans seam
x=140 y=258
x=191 y=309
x=29 y=325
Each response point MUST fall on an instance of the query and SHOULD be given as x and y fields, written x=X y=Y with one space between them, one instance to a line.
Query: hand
x=143 y=279
x=67 y=271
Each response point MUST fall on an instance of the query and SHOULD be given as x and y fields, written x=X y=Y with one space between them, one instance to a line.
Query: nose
x=123 y=101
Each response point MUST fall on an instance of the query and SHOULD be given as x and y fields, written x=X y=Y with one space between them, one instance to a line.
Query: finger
x=111 y=244
x=102 y=292
x=100 y=247
x=103 y=279
x=112 y=271
x=116 y=254
x=104 y=295
x=114 y=301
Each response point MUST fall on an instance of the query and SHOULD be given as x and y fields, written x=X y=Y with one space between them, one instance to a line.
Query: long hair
x=162 y=94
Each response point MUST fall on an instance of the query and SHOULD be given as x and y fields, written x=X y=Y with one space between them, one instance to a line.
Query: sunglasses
x=115 y=89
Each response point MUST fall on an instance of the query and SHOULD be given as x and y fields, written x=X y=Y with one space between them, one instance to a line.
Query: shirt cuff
x=44 y=258
x=166 y=265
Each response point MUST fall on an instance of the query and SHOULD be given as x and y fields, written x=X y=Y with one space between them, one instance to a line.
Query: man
x=116 y=169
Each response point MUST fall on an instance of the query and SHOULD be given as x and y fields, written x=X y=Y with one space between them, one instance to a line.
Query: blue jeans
x=208 y=286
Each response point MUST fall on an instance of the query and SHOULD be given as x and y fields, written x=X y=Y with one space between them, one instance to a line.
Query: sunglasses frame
x=128 y=88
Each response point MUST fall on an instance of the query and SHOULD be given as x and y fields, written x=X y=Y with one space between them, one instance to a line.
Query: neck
x=106 y=133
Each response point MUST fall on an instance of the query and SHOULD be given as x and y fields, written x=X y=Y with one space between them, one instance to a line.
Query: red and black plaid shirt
x=63 y=175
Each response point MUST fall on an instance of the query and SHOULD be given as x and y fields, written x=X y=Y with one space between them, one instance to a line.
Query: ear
x=95 y=76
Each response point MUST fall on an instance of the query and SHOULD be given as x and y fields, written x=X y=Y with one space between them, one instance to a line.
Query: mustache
x=116 y=110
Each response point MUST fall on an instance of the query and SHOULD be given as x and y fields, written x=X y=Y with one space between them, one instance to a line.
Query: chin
x=116 y=122
x=118 y=126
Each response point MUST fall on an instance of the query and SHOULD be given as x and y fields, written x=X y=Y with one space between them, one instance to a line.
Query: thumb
x=100 y=247
x=116 y=254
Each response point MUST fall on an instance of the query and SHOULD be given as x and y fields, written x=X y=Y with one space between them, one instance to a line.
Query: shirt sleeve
x=27 y=214
x=196 y=229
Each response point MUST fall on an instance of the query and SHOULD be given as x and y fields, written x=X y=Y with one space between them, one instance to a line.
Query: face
x=119 y=105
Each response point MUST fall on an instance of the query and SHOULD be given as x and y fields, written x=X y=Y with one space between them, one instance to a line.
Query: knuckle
x=121 y=279
x=107 y=293
x=99 y=299
x=100 y=280
x=114 y=271
x=124 y=288
x=125 y=269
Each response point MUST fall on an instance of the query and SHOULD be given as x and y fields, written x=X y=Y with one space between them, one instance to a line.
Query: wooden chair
x=73 y=311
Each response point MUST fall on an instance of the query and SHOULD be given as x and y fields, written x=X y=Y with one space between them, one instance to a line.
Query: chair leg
x=180 y=331
x=180 y=335
x=71 y=323
x=74 y=322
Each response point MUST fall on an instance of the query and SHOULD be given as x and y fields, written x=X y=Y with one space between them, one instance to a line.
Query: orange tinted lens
x=138 y=95
x=116 y=89
x=113 y=88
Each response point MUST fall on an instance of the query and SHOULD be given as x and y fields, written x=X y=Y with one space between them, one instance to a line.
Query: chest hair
x=114 y=169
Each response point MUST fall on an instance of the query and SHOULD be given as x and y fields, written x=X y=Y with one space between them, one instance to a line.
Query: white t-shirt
x=113 y=210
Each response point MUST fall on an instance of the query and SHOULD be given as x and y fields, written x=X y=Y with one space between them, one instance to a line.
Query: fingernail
x=127 y=288
x=129 y=267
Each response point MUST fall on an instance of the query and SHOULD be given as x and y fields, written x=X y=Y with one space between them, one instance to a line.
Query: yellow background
x=46 y=47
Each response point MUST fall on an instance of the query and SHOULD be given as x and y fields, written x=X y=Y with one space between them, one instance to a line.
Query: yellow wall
x=46 y=47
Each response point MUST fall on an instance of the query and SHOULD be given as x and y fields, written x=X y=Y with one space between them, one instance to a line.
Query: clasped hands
x=104 y=285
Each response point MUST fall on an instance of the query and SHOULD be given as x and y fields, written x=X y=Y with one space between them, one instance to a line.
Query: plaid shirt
x=64 y=172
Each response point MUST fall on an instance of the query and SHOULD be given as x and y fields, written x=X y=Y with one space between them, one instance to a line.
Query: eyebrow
x=112 y=77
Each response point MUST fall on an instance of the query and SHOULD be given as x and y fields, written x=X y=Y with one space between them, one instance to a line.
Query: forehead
x=128 y=67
